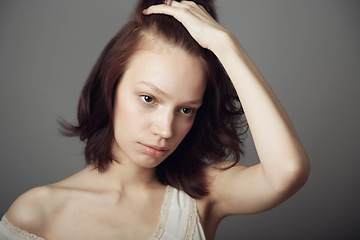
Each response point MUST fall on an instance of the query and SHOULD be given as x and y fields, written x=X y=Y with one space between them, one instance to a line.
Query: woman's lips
x=153 y=150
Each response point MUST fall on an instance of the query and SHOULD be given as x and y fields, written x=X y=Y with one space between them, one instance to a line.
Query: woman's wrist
x=223 y=43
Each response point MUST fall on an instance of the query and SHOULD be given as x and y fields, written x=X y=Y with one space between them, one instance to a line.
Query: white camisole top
x=179 y=219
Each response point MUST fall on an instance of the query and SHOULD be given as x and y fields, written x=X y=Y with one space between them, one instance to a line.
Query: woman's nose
x=163 y=124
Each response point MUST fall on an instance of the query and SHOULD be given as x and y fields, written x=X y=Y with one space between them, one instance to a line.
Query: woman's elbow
x=294 y=175
x=298 y=174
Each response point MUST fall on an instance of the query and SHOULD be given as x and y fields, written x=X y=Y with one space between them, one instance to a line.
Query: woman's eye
x=187 y=111
x=147 y=99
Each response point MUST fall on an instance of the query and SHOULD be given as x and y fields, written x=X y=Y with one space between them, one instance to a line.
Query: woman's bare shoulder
x=35 y=208
x=29 y=211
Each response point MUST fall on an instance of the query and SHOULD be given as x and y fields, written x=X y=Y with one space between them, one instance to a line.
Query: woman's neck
x=125 y=178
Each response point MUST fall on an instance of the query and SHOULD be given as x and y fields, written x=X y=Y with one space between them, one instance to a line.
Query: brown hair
x=219 y=123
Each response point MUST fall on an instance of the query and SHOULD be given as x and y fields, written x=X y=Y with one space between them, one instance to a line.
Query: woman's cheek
x=184 y=128
x=127 y=115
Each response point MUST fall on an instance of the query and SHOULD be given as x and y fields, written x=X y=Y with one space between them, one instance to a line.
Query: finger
x=160 y=8
x=189 y=3
x=176 y=4
x=168 y=2
x=177 y=10
x=195 y=6
x=191 y=6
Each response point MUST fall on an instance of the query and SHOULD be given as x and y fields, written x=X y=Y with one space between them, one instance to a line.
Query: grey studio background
x=309 y=51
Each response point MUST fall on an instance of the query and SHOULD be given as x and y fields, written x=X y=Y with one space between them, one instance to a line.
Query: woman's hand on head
x=199 y=23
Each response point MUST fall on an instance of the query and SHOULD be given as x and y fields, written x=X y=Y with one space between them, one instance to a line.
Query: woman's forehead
x=171 y=70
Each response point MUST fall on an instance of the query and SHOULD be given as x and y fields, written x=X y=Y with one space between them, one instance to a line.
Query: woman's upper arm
x=244 y=190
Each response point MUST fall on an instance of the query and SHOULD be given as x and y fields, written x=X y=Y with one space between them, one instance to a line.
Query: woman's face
x=155 y=104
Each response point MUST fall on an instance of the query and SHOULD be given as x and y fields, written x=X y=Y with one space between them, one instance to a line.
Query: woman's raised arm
x=284 y=165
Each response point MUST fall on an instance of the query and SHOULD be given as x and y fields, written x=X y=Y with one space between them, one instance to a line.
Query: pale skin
x=83 y=205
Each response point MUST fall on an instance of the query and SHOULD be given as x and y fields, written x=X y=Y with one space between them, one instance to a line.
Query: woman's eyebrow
x=162 y=93
x=154 y=88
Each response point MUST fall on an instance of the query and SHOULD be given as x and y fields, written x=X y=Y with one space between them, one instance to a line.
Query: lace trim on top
x=163 y=214
x=193 y=218
x=18 y=231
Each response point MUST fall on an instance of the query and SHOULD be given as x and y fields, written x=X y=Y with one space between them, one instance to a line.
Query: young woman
x=159 y=116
